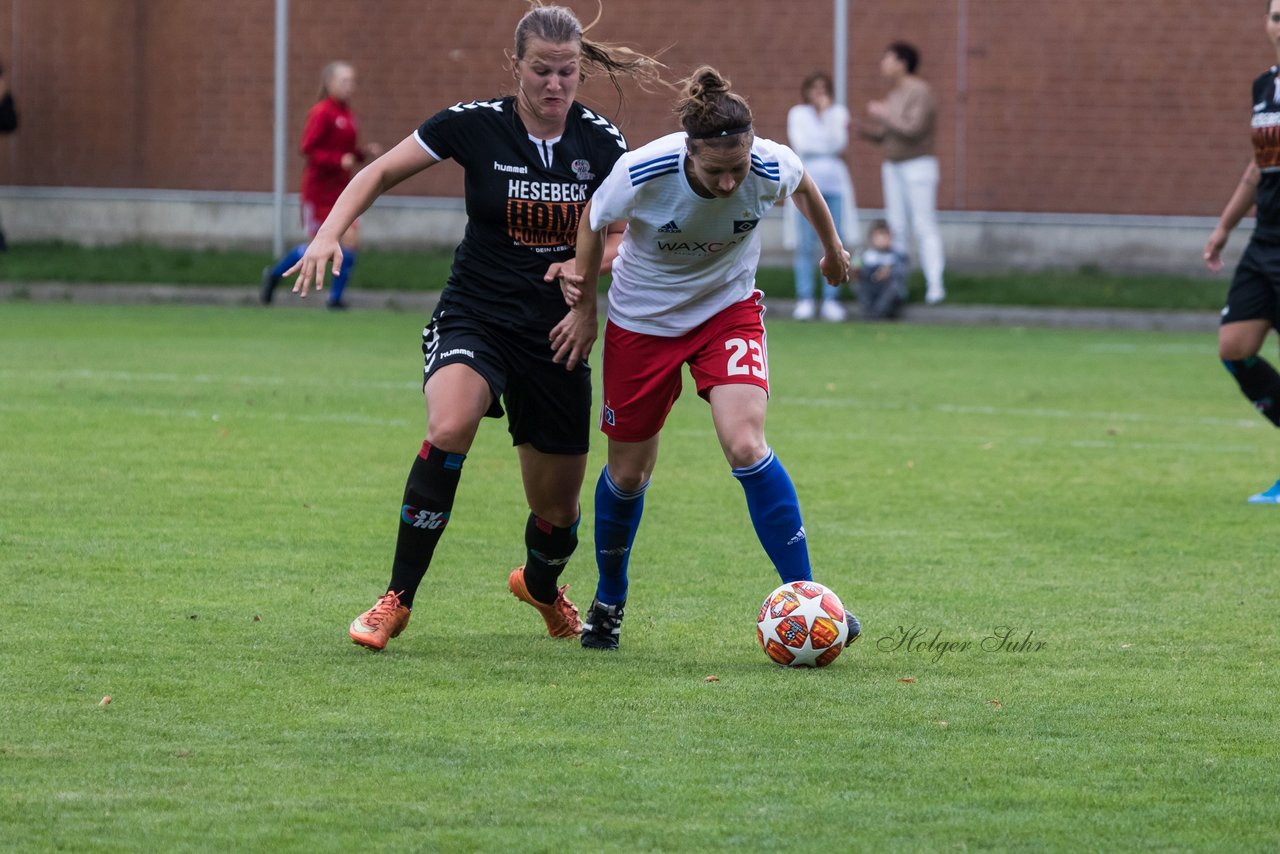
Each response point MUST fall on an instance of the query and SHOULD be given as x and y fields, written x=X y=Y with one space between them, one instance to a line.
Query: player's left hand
x=1213 y=249
x=573 y=337
x=322 y=253
x=570 y=282
x=836 y=269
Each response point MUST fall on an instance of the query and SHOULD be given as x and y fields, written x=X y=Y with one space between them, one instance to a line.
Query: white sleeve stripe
x=426 y=147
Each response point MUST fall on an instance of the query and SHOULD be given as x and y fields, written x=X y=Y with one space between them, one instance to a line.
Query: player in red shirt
x=329 y=145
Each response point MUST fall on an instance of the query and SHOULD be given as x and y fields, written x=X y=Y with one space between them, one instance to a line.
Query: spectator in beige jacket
x=904 y=124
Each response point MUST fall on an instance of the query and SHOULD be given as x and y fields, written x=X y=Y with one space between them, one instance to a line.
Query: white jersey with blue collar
x=685 y=258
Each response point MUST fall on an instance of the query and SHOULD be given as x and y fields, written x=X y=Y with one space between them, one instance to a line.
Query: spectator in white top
x=818 y=131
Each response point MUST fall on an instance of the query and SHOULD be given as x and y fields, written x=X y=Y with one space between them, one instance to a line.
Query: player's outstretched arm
x=1246 y=193
x=324 y=252
x=573 y=337
x=835 y=260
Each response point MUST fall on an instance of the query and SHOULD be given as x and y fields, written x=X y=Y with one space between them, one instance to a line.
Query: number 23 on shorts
x=746 y=357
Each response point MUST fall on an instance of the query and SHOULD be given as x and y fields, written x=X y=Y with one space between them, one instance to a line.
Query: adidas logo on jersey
x=670 y=228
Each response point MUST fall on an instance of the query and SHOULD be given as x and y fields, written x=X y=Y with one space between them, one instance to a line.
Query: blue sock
x=293 y=256
x=340 y=280
x=617 y=519
x=775 y=513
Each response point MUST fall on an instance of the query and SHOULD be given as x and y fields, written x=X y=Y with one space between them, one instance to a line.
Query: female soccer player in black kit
x=532 y=161
x=1253 y=302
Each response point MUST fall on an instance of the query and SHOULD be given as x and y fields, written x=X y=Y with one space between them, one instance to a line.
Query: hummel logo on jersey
x=496 y=106
x=742 y=226
x=607 y=125
x=670 y=228
x=797 y=538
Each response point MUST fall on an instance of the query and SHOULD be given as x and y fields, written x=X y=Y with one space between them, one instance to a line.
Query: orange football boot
x=386 y=619
x=561 y=616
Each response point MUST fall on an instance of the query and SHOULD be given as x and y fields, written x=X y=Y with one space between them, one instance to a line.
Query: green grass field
x=426 y=271
x=196 y=501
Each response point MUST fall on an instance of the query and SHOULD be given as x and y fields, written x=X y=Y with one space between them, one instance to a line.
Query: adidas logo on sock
x=670 y=228
x=797 y=538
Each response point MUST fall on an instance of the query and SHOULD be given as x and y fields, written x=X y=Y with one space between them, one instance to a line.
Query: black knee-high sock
x=549 y=549
x=428 y=501
x=1260 y=383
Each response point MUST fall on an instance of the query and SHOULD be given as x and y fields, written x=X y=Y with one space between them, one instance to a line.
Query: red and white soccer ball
x=802 y=624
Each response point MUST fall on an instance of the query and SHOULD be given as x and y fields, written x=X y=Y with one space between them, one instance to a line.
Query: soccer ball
x=802 y=624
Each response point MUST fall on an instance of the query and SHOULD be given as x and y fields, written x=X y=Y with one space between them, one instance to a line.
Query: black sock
x=549 y=549
x=428 y=501
x=1260 y=383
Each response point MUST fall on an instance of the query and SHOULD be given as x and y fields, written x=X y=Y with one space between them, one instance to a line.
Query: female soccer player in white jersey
x=531 y=162
x=684 y=291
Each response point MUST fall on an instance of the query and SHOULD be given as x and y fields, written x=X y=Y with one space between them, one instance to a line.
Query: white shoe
x=833 y=311
x=804 y=310
x=933 y=297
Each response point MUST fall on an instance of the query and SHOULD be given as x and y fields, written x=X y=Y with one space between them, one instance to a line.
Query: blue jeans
x=809 y=251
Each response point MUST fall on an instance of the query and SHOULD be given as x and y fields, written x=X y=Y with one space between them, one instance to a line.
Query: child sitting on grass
x=882 y=275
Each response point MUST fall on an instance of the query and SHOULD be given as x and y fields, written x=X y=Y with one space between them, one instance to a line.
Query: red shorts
x=642 y=372
x=314 y=215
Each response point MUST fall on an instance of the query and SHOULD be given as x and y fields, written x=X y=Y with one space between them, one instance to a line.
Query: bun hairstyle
x=708 y=110
x=558 y=25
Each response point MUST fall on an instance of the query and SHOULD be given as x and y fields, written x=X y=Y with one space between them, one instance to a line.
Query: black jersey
x=524 y=199
x=1266 y=151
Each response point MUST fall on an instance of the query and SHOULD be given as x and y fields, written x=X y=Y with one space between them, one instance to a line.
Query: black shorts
x=1255 y=287
x=547 y=406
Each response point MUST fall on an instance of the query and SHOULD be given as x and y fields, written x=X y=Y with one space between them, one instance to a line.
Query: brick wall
x=1092 y=106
